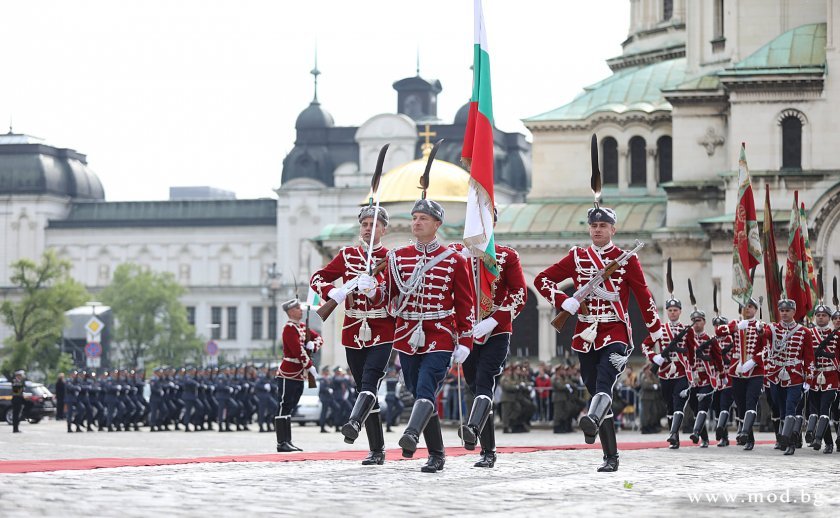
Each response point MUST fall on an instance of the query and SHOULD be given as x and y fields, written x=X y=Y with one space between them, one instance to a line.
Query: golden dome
x=447 y=182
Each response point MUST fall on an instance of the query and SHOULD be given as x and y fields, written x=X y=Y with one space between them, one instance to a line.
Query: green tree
x=37 y=317
x=150 y=321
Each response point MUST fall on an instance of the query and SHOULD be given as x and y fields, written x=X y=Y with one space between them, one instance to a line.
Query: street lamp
x=270 y=288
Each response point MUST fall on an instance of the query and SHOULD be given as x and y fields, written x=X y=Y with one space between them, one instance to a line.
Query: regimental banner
x=746 y=249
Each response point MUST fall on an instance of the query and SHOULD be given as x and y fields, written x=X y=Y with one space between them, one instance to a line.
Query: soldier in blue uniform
x=18 y=386
x=189 y=394
x=71 y=396
x=155 y=401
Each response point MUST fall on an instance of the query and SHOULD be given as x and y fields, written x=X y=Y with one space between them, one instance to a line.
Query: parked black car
x=39 y=402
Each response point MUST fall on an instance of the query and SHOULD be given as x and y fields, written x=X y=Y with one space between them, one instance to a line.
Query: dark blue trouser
x=485 y=363
x=155 y=412
x=263 y=407
x=368 y=366
x=725 y=399
x=424 y=373
x=671 y=390
x=395 y=409
x=189 y=407
x=596 y=369
x=701 y=399
x=289 y=396
x=747 y=391
x=786 y=398
x=820 y=401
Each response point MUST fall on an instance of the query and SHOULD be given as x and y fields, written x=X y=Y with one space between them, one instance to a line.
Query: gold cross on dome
x=427 y=134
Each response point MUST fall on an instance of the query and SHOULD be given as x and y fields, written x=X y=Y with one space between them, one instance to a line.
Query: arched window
x=638 y=162
x=663 y=151
x=610 y=161
x=667 y=10
x=791 y=142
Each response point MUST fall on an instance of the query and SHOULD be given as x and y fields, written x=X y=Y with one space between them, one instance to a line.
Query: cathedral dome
x=463 y=114
x=314 y=117
x=447 y=182
x=28 y=166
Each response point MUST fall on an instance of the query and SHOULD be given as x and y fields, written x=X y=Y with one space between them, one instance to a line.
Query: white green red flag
x=746 y=250
x=796 y=275
x=808 y=267
x=313 y=299
x=477 y=155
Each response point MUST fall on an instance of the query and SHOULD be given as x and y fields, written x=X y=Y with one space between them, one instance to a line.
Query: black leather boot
x=376 y=440
x=476 y=422
x=674 y=435
x=810 y=427
x=820 y=428
x=787 y=440
x=599 y=407
x=609 y=446
x=699 y=426
x=746 y=428
x=797 y=431
x=434 y=443
x=361 y=409
x=283 y=428
x=488 y=445
x=421 y=413
x=723 y=420
x=704 y=438
x=829 y=445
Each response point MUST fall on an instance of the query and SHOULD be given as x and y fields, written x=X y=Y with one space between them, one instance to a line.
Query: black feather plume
x=424 y=180
x=714 y=299
x=669 y=280
x=377 y=173
x=691 y=295
x=834 y=289
x=596 y=170
x=820 y=288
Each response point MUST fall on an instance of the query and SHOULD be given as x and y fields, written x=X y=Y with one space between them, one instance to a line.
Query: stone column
x=651 y=169
x=623 y=157
x=546 y=332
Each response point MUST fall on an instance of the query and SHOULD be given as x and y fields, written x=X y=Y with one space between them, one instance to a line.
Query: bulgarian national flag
x=477 y=155
x=746 y=250
x=808 y=268
x=796 y=280
x=313 y=299
x=771 y=264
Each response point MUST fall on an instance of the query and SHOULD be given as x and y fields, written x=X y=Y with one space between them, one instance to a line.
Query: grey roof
x=30 y=167
x=193 y=213
x=314 y=117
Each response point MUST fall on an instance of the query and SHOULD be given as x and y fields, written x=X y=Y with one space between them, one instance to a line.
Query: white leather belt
x=290 y=360
x=428 y=315
x=373 y=313
x=605 y=317
x=827 y=369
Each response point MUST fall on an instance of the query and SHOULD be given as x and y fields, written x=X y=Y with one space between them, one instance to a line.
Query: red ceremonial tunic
x=726 y=352
x=791 y=352
x=749 y=345
x=509 y=289
x=826 y=375
x=440 y=302
x=709 y=370
x=611 y=317
x=296 y=361
x=675 y=366
x=347 y=265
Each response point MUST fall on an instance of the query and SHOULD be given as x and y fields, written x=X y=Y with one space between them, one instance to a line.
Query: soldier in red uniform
x=298 y=344
x=725 y=396
x=430 y=292
x=603 y=338
x=368 y=330
x=491 y=341
x=749 y=338
x=705 y=375
x=672 y=358
x=792 y=352
x=825 y=380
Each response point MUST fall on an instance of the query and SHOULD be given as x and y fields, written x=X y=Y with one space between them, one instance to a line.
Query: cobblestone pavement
x=651 y=482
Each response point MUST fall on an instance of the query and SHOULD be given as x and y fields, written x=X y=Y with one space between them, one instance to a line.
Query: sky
x=161 y=93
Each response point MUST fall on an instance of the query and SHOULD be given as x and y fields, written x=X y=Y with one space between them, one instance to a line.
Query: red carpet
x=34 y=466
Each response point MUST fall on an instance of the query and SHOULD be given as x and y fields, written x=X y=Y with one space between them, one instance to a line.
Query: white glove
x=337 y=294
x=747 y=366
x=759 y=327
x=313 y=371
x=266 y=387
x=485 y=327
x=571 y=305
x=460 y=353
x=806 y=386
x=655 y=386
x=658 y=359
x=310 y=346
x=742 y=324
x=366 y=284
x=466 y=253
x=684 y=393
